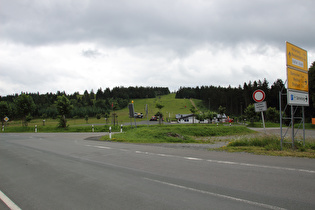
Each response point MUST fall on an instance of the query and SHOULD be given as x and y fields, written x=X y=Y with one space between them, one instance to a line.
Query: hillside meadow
x=172 y=106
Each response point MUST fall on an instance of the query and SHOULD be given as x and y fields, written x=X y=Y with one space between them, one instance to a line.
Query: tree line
x=235 y=100
x=238 y=101
x=232 y=101
x=27 y=105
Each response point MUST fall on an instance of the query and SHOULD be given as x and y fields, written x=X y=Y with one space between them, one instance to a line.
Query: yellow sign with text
x=297 y=80
x=296 y=57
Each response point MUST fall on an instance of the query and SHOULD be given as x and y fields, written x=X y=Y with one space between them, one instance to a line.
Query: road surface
x=73 y=171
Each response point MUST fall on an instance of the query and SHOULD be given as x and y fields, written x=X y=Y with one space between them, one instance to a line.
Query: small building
x=188 y=118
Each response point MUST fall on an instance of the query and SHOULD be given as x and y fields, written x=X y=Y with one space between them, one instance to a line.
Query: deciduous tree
x=64 y=107
x=25 y=106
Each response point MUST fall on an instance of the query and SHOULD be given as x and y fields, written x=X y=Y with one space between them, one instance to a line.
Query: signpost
x=6 y=119
x=261 y=105
x=132 y=113
x=297 y=74
x=298 y=98
x=297 y=78
x=296 y=57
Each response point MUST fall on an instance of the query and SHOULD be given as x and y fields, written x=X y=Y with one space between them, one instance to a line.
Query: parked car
x=138 y=115
x=155 y=118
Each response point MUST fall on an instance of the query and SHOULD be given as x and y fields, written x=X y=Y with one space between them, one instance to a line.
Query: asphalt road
x=69 y=171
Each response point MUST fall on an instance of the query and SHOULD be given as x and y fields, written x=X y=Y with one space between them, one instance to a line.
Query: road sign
x=6 y=119
x=298 y=98
x=261 y=106
x=259 y=95
x=296 y=57
x=297 y=80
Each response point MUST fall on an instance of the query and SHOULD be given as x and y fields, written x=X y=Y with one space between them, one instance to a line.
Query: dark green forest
x=235 y=100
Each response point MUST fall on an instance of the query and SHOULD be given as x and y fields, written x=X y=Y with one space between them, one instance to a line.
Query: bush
x=62 y=122
x=268 y=142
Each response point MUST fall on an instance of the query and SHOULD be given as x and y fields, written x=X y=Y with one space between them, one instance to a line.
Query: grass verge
x=176 y=133
x=55 y=129
x=269 y=145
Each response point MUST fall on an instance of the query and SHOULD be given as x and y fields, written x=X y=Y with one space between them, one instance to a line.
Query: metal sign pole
x=280 y=108
x=263 y=120
x=303 y=116
x=292 y=122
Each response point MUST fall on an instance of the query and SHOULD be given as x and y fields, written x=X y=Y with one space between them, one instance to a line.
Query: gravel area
x=221 y=141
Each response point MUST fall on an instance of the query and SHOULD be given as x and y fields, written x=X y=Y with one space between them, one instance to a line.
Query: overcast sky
x=77 y=45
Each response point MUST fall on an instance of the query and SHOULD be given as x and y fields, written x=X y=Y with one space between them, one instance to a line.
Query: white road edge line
x=219 y=195
x=8 y=202
x=261 y=166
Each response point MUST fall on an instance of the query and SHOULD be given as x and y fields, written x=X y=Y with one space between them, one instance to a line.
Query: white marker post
x=110 y=132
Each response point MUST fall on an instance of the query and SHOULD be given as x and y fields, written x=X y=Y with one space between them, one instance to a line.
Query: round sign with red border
x=259 y=96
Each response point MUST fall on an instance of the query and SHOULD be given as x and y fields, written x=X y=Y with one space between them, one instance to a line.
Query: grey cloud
x=91 y=53
x=178 y=25
x=153 y=35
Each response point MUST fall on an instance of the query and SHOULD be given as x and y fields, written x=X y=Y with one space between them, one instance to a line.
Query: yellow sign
x=297 y=80
x=296 y=57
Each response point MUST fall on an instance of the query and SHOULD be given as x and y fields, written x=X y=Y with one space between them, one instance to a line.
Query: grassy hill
x=172 y=106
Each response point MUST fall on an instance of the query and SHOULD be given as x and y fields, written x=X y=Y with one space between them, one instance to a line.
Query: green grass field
x=172 y=106
x=177 y=133
x=270 y=145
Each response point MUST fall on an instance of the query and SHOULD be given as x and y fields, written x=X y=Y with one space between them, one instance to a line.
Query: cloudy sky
x=77 y=45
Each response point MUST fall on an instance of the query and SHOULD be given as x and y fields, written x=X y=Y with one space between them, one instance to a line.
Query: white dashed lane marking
x=211 y=161
x=8 y=202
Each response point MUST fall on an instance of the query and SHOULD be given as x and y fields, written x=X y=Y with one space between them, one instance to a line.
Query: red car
x=153 y=118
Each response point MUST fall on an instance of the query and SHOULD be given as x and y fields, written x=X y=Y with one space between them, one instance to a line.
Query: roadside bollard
x=110 y=132
x=121 y=128
x=3 y=128
x=35 y=128
x=92 y=128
